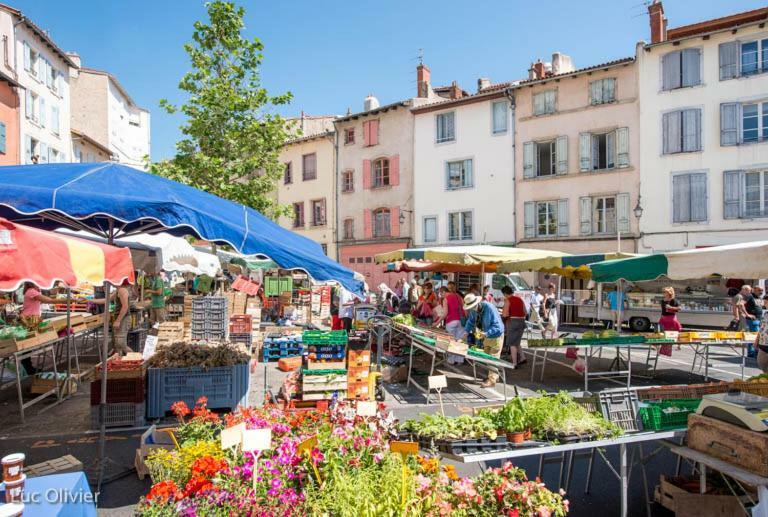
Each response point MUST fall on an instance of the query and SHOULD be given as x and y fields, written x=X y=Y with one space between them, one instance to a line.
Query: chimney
x=483 y=83
x=537 y=70
x=74 y=57
x=658 y=22
x=456 y=92
x=561 y=64
x=422 y=81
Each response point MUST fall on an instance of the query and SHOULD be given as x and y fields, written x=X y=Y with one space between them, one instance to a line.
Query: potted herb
x=512 y=419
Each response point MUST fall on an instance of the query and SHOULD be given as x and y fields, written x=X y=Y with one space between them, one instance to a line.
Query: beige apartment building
x=308 y=185
x=577 y=157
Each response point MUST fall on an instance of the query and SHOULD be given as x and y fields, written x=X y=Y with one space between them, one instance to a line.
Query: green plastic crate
x=655 y=419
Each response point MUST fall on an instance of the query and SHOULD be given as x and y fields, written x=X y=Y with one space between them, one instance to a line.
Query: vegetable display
x=185 y=355
x=762 y=378
x=404 y=319
x=438 y=427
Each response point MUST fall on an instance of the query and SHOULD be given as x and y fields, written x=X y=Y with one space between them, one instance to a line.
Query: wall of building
x=9 y=116
x=85 y=152
x=490 y=199
x=575 y=115
x=301 y=191
x=90 y=105
x=659 y=231
x=129 y=130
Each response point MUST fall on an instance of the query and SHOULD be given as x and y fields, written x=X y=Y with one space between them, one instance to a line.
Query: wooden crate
x=40 y=385
x=741 y=447
x=452 y=346
x=691 y=504
x=151 y=440
x=60 y=465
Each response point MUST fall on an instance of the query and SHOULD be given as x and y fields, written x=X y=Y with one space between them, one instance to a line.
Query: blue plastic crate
x=327 y=349
x=226 y=387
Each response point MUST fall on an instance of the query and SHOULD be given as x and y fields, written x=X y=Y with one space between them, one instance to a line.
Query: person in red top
x=426 y=304
x=513 y=314
x=453 y=311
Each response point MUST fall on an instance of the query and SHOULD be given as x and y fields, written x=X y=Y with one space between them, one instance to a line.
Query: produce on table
x=557 y=416
x=185 y=355
x=438 y=427
x=350 y=472
x=404 y=319
x=18 y=333
x=762 y=378
x=511 y=417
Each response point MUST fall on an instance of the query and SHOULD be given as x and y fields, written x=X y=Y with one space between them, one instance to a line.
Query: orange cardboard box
x=359 y=357
x=287 y=364
x=356 y=390
x=358 y=373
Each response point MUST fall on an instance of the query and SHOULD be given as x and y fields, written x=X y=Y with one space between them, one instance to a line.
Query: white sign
x=257 y=439
x=437 y=382
x=150 y=345
x=366 y=408
x=232 y=436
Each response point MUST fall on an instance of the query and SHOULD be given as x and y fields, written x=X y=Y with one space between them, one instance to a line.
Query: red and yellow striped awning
x=45 y=258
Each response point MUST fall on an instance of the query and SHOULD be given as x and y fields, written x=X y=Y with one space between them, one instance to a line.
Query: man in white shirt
x=346 y=311
x=536 y=301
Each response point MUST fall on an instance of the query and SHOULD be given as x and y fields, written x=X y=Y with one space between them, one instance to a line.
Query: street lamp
x=638 y=210
x=402 y=215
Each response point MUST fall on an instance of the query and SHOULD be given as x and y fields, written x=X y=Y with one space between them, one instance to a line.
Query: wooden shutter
x=27 y=56
x=733 y=182
x=550 y=101
x=622 y=147
x=691 y=59
x=529 y=209
x=729 y=123
x=394 y=170
x=28 y=149
x=699 y=197
x=609 y=90
x=366 y=174
x=529 y=171
x=691 y=130
x=366 y=133
x=373 y=132
x=562 y=218
x=367 y=224
x=561 y=152
x=29 y=104
x=729 y=60
x=671 y=132
x=681 y=198
x=596 y=92
x=42 y=116
x=585 y=151
x=55 y=122
x=539 y=103
x=622 y=212
x=394 y=221
x=2 y=138
x=670 y=66
x=585 y=215
x=43 y=156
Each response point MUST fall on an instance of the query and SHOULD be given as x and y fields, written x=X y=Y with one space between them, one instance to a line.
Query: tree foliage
x=232 y=136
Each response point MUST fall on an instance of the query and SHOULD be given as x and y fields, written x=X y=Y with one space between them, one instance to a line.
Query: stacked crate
x=358 y=373
x=126 y=393
x=136 y=339
x=209 y=318
x=277 y=346
x=325 y=373
x=187 y=317
x=241 y=330
x=170 y=332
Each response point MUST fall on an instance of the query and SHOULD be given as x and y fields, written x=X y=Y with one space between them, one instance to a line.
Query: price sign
x=257 y=439
x=305 y=448
x=150 y=345
x=366 y=408
x=404 y=448
x=437 y=382
x=232 y=436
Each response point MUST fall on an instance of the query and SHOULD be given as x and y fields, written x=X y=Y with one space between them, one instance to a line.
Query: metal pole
x=105 y=351
x=624 y=479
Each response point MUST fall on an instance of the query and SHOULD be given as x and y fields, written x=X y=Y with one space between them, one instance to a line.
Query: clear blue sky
x=331 y=54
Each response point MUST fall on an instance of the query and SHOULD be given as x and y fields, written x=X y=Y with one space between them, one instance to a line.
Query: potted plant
x=513 y=420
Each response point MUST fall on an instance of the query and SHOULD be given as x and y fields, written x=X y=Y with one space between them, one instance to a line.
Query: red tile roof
x=725 y=22
x=608 y=64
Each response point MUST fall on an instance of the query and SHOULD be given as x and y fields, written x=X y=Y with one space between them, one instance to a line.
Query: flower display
x=333 y=462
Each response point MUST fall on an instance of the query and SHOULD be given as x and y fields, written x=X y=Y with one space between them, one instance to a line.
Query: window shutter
x=732 y=196
x=394 y=221
x=622 y=147
x=42 y=116
x=595 y=92
x=562 y=218
x=681 y=198
x=450 y=126
x=29 y=109
x=538 y=104
x=562 y=154
x=2 y=138
x=729 y=60
x=609 y=90
x=670 y=65
x=550 y=101
x=394 y=170
x=528 y=152
x=691 y=130
x=366 y=133
x=43 y=157
x=367 y=224
x=698 y=197
x=47 y=73
x=691 y=68
x=468 y=174
x=610 y=150
x=585 y=151
x=622 y=212
x=729 y=123
x=366 y=174
x=585 y=215
x=671 y=129
x=55 y=123
x=27 y=56
x=373 y=132
x=529 y=209
x=28 y=149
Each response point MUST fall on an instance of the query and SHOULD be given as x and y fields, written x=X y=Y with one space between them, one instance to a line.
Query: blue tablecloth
x=62 y=495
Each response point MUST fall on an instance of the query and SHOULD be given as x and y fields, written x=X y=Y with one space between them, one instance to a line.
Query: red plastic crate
x=119 y=390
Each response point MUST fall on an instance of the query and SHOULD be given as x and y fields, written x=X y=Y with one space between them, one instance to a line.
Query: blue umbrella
x=116 y=200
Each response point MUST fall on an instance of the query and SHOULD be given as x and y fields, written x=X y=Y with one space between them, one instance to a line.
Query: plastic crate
x=136 y=339
x=318 y=337
x=620 y=407
x=119 y=390
x=655 y=418
x=242 y=337
x=121 y=414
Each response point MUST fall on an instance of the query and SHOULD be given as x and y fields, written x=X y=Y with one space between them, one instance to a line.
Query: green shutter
x=2 y=137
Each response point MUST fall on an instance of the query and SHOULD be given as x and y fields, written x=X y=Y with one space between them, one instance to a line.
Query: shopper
x=761 y=343
x=474 y=289
x=617 y=301
x=487 y=295
x=157 y=299
x=551 y=308
x=31 y=314
x=414 y=293
x=757 y=293
x=484 y=323
x=121 y=319
x=426 y=304
x=346 y=308
x=451 y=315
x=753 y=311
x=669 y=309
x=513 y=314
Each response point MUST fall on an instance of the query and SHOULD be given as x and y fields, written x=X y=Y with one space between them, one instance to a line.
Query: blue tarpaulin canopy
x=93 y=196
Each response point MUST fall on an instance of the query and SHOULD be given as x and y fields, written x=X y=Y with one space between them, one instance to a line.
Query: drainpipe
x=335 y=143
x=18 y=90
x=511 y=97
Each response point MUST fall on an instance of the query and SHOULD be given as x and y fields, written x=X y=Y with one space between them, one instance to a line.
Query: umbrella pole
x=104 y=352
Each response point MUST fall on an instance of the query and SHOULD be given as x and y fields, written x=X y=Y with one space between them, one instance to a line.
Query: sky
x=331 y=54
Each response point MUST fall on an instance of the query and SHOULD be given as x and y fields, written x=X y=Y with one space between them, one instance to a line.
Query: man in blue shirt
x=617 y=300
x=484 y=322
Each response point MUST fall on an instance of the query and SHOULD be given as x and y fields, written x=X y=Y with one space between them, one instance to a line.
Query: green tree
x=232 y=136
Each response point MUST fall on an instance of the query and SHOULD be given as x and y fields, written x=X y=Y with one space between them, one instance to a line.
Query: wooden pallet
x=60 y=465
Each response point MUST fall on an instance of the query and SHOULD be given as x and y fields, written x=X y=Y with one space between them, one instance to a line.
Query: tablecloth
x=63 y=495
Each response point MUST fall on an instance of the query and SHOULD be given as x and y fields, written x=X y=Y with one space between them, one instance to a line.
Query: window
x=348 y=181
x=2 y=138
x=746 y=58
x=31 y=61
x=602 y=91
x=754 y=122
x=309 y=166
x=459 y=174
x=445 y=124
x=52 y=77
x=32 y=150
x=500 y=116
x=681 y=69
x=545 y=218
x=602 y=151
x=430 y=229
x=460 y=226
x=689 y=197
x=349 y=229
x=349 y=136
x=54 y=156
x=32 y=106
x=603 y=215
x=288 y=173
x=682 y=131
x=547 y=158
x=746 y=194
x=380 y=173
x=298 y=215
x=544 y=102
x=381 y=223
x=318 y=212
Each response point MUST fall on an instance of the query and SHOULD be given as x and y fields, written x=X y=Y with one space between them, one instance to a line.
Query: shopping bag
x=572 y=352
x=666 y=350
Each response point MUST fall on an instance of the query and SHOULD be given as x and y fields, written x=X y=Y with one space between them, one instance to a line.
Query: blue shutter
x=2 y=137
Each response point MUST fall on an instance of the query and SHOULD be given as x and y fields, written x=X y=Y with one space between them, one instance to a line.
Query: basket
x=755 y=388
x=122 y=414
x=655 y=418
x=683 y=391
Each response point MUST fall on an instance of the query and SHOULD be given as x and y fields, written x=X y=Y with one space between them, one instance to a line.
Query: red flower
x=207 y=467
x=180 y=409
x=202 y=401
x=164 y=491
x=197 y=485
x=513 y=513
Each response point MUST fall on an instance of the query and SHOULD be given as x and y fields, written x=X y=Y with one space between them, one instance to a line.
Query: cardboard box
x=358 y=390
x=358 y=373
x=287 y=364
x=359 y=357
